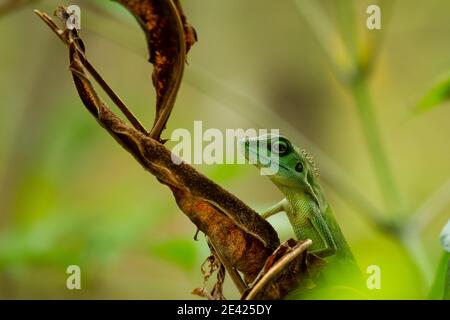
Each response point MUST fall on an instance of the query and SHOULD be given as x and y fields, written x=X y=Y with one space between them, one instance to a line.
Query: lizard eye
x=279 y=147
x=299 y=167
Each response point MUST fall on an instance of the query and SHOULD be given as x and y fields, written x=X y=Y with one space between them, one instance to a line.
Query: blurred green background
x=70 y=195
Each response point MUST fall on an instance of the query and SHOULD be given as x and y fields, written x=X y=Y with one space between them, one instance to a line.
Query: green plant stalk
x=447 y=279
x=360 y=92
x=383 y=172
x=415 y=249
x=357 y=82
x=441 y=284
x=347 y=26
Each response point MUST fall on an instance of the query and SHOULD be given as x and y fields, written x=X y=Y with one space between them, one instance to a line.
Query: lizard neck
x=298 y=196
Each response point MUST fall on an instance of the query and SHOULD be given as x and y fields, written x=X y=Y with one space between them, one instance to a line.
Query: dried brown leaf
x=169 y=37
x=211 y=265
x=289 y=267
x=239 y=234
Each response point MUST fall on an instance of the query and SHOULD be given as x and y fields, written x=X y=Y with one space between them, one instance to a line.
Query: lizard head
x=294 y=167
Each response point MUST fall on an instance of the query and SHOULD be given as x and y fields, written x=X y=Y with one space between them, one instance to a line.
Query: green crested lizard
x=309 y=213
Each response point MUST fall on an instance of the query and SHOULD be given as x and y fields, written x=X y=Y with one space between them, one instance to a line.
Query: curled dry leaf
x=212 y=264
x=169 y=38
x=289 y=267
x=239 y=234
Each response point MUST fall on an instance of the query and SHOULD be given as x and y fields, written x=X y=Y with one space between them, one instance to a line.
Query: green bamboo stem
x=409 y=239
x=360 y=92
x=415 y=249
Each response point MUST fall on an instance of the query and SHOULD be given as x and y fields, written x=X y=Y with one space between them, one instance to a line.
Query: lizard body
x=308 y=212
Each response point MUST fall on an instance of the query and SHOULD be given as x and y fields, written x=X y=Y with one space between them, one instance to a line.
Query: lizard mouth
x=267 y=160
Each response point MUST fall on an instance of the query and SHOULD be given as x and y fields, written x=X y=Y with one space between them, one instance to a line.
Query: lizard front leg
x=279 y=207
